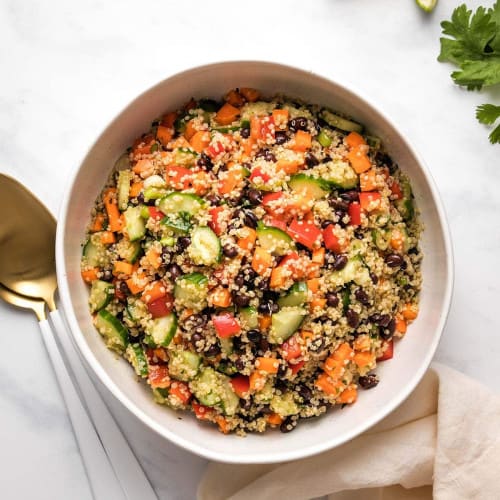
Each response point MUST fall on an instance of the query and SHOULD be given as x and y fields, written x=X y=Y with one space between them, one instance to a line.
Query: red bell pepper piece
x=158 y=376
x=331 y=239
x=274 y=222
x=155 y=214
x=396 y=190
x=305 y=233
x=355 y=214
x=202 y=412
x=241 y=385
x=267 y=127
x=215 y=222
x=369 y=201
x=295 y=367
x=162 y=306
x=226 y=325
x=178 y=177
x=257 y=173
x=181 y=391
x=389 y=352
x=215 y=149
x=291 y=349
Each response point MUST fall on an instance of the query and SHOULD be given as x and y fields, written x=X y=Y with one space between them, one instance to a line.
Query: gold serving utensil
x=28 y=280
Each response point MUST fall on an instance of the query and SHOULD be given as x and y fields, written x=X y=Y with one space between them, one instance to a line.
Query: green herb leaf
x=488 y=113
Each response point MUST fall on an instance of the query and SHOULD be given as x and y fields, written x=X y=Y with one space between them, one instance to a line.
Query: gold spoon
x=28 y=279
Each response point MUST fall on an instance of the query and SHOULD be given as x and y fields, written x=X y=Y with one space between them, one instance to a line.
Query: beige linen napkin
x=442 y=443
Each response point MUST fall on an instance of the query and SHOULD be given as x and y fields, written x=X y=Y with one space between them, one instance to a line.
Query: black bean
x=359 y=234
x=240 y=364
x=107 y=275
x=175 y=271
x=339 y=204
x=311 y=160
x=140 y=197
x=274 y=307
x=123 y=287
x=235 y=200
x=394 y=260
x=326 y=159
x=265 y=307
x=384 y=320
x=368 y=381
x=388 y=331
x=332 y=299
x=254 y=336
x=326 y=223
x=254 y=197
x=340 y=216
x=340 y=262
x=213 y=198
x=281 y=137
x=245 y=133
x=374 y=278
x=362 y=296
x=250 y=219
x=305 y=393
x=229 y=250
x=204 y=162
x=240 y=300
x=317 y=345
x=239 y=280
x=266 y=154
x=288 y=425
x=183 y=242
x=352 y=318
x=213 y=350
x=263 y=345
x=350 y=196
x=299 y=123
x=263 y=285
x=375 y=318
x=246 y=404
x=239 y=346
x=195 y=338
x=195 y=321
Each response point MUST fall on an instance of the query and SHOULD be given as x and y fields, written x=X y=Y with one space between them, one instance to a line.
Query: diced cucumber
x=128 y=250
x=154 y=193
x=134 y=223
x=183 y=365
x=136 y=310
x=249 y=318
x=317 y=188
x=324 y=138
x=274 y=240
x=175 y=203
x=265 y=394
x=177 y=224
x=381 y=238
x=212 y=388
x=161 y=331
x=285 y=323
x=354 y=270
x=123 y=185
x=185 y=157
x=346 y=298
x=94 y=252
x=339 y=174
x=226 y=345
x=296 y=296
x=191 y=291
x=205 y=248
x=135 y=355
x=101 y=294
x=405 y=205
x=284 y=404
x=373 y=141
x=111 y=328
x=227 y=368
x=339 y=122
x=160 y=396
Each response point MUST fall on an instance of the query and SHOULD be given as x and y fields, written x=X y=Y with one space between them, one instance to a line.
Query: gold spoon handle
x=101 y=476
x=128 y=470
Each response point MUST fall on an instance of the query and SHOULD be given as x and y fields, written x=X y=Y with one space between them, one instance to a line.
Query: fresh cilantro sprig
x=473 y=44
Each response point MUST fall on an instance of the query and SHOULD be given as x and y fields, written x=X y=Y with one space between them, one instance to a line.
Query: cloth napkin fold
x=443 y=442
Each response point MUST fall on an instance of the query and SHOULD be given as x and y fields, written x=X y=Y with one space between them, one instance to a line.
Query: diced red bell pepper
x=295 y=367
x=354 y=214
x=305 y=233
x=274 y=203
x=274 y=222
x=389 y=352
x=181 y=391
x=161 y=306
x=226 y=325
x=258 y=174
x=295 y=264
x=155 y=214
x=215 y=149
x=178 y=177
x=396 y=190
x=158 y=377
x=331 y=239
x=241 y=385
x=215 y=222
x=202 y=412
x=267 y=128
x=291 y=348
x=369 y=201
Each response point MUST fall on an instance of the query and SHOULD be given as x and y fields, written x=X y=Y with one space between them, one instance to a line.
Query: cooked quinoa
x=254 y=260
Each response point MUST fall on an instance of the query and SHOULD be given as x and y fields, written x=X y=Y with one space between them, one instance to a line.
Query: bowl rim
x=263 y=457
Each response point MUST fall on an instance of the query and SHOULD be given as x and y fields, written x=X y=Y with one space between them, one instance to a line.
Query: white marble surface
x=66 y=68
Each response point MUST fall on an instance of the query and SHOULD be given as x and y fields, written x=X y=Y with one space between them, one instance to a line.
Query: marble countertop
x=68 y=67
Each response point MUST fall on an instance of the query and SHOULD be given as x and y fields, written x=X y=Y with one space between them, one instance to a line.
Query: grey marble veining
x=67 y=68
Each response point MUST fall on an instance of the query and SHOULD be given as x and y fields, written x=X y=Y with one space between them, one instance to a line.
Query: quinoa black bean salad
x=254 y=259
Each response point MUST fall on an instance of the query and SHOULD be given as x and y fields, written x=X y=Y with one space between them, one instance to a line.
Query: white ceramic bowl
x=398 y=376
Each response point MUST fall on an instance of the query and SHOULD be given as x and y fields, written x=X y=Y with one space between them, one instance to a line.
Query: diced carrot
x=274 y=419
x=230 y=180
x=317 y=303
x=153 y=256
x=303 y=141
x=247 y=238
x=178 y=177
x=410 y=311
x=279 y=277
x=306 y=335
x=264 y=322
x=155 y=290
x=161 y=353
x=290 y=167
x=255 y=127
x=401 y=324
x=364 y=358
x=344 y=351
x=220 y=297
x=318 y=255
x=268 y=365
x=201 y=182
x=97 y=223
x=190 y=129
x=168 y=120
x=107 y=237
x=223 y=424
x=334 y=369
x=354 y=139
x=368 y=181
x=313 y=270
x=251 y=95
x=143 y=145
x=280 y=117
x=328 y=385
x=313 y=285
x=247 y=147
x=143 y=167
x=262 y=261
x=180 y=142
x=234 y=98
x=158 y=376
x=358 y=159
x=200 y=140
x=362 y=343
x=122 y=267
x=135 y=189
x=348 y=395
x=257 y=381
x=137 y=283
x=111 y=205
x=90 y=275
x=164 y=134
x=397 y=240
x=227 y=114
x=181 y=391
